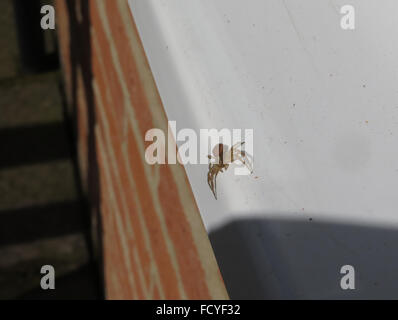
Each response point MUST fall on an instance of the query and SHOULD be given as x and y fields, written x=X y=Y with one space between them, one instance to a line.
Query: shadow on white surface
x=301 y=259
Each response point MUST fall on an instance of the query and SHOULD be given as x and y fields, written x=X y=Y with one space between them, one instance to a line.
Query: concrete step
x=76 y=285
x=30 y=100
x=9 y=64
x=42 y=219
x=20 y=264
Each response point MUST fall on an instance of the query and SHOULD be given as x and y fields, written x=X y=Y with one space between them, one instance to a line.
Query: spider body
x=223 y=157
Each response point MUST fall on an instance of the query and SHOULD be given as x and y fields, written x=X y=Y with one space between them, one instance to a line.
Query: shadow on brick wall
x=80 y=55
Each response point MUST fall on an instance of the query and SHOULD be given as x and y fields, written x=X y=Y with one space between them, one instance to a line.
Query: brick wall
x=152 y=238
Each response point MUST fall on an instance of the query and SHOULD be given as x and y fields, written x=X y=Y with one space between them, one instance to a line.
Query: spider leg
x=241 y=156
x=236 y=145
x=210 y=157
x=210 y=175
x=211 y=178
x=215 y=183
x=214 y=170
x=248 y=160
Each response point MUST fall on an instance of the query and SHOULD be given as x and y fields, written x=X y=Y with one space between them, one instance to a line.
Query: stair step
x=9 y=65
x=38 y=184
x=30 y=100
x=40 y=222
x=20 y=264
x=35 y=144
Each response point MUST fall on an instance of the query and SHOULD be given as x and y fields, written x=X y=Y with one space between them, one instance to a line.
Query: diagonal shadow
x=34 y=144
x=80 y=53
x=34 y=223
x=271 y=258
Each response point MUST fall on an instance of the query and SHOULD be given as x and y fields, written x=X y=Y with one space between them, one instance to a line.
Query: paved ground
x=42 y=219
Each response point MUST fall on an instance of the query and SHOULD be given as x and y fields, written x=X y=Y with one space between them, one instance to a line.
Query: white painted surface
x=323 y=104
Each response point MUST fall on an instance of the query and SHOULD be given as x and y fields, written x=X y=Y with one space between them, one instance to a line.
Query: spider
x=222 y=161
